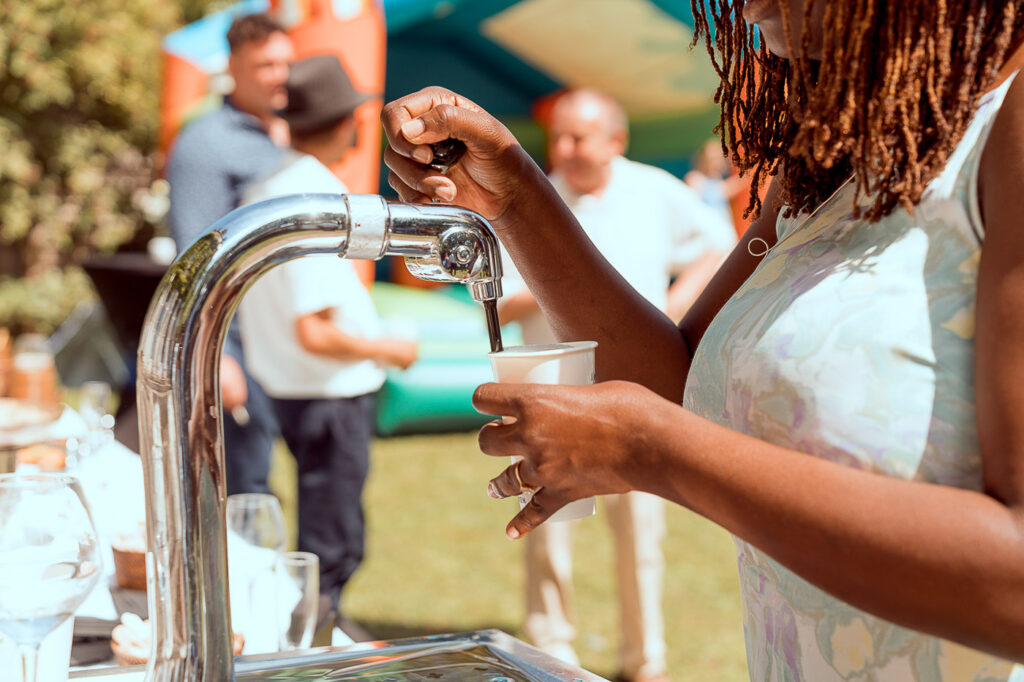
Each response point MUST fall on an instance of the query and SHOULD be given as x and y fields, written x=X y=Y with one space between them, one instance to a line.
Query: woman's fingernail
x=512 y=533
x=413 y=128
x=446 y=193
x=492 y=491
x=422 y=154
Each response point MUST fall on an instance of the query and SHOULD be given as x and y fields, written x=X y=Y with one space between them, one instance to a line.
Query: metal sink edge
x=396 y=660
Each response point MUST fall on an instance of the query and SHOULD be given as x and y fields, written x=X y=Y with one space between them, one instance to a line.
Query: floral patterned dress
x=854 y=342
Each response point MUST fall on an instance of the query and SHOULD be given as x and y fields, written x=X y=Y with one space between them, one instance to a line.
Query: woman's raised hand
x=487 y=177
x=576 y=441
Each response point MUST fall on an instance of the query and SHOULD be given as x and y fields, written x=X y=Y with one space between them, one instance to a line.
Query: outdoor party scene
x=512 y=341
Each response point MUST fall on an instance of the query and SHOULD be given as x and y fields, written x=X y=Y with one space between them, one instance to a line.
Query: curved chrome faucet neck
x=181 y=435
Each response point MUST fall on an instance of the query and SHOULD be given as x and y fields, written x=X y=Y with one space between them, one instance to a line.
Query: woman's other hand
x=576 y=441
x=487 y=177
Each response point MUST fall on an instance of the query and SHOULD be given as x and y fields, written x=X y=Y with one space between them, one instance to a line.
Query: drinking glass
x=49 y=558
x=256 y=538
x=299 y=598
x=257 y=518
x=93 y=403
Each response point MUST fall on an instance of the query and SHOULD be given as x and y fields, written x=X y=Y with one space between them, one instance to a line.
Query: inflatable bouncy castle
x=512 y=57
x=195 y=60
x=435 y=393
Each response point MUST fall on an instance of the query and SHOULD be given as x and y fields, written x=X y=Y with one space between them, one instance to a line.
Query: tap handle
x=446 y=154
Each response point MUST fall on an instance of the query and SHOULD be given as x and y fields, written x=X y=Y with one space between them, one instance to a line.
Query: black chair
x=126 y=283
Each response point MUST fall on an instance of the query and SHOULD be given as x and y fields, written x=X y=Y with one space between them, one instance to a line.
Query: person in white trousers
x=651 y=227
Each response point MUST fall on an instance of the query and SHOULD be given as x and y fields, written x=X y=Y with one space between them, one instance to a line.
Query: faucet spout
x=181 y=435
x=447 y=244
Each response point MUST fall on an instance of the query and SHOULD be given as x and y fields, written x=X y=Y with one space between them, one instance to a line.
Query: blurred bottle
x=33 y=371
x=5 y=361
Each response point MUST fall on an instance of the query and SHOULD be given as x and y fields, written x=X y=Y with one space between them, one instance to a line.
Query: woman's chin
x=776 y=46
x=765 y=14
x=756 y=11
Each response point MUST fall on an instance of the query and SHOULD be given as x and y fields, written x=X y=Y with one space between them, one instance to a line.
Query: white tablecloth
x=113 y=485
x=112 y=482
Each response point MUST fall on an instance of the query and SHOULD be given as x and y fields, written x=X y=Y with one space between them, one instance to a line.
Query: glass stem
x=29 y=661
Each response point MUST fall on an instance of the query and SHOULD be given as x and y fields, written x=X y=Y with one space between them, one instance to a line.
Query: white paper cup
x=568 y=364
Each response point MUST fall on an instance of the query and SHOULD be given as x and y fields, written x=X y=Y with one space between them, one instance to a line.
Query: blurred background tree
x=194 y=10
x=79 y=89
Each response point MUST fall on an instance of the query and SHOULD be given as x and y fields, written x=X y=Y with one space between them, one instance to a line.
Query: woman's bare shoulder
x=1001 y=172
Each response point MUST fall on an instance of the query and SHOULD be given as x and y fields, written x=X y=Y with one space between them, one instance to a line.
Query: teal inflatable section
x=435 y=394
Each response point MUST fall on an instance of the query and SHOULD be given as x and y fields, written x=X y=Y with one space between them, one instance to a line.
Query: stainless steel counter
x=486 y=655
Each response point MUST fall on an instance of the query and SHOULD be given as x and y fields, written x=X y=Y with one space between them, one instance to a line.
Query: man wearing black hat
x=312 y=338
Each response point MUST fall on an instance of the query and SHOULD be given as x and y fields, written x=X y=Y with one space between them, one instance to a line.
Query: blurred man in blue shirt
x=211 y=162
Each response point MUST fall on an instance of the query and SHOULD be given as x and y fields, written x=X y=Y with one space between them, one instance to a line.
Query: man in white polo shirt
x=312 y=337
x=651 y=227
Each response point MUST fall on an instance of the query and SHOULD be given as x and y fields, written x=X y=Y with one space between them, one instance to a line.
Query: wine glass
x=256 y=538
x=257 y=518
x=299 y=597
x=93 y=400
x=49 y=558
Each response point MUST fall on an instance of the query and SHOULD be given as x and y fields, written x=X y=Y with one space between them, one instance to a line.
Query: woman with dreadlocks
x=844 y=396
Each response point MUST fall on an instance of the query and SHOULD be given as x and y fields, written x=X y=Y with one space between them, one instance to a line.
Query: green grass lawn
x=438 y=561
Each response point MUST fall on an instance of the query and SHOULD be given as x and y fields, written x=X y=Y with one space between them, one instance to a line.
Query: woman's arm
x=934 y=558
x=733 y=272
x=930 y=557
x=582 y=296
x=999 y=339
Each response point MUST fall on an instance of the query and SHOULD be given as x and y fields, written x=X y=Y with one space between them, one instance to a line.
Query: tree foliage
x=79 y=88
x=79 y=96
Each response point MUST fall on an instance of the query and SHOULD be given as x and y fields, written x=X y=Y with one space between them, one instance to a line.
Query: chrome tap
x=179 y=399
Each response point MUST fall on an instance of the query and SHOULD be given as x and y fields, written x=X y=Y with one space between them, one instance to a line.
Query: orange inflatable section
x=360 y=42
x=182 y=89
x=361 y=45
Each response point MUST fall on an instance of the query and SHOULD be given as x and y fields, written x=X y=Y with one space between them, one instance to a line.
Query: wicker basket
x=123 y=658
x=130 y=569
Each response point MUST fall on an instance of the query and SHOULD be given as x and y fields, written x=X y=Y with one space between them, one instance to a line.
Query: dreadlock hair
x=896 y=87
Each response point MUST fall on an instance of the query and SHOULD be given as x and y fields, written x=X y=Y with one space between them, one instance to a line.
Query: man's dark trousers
x=247 y=448
x=330 y=440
